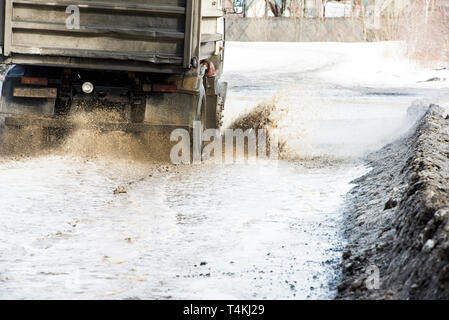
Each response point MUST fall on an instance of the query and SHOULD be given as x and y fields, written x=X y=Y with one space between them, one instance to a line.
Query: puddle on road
x=206 y=232
x=266 y=232
x=269 y=231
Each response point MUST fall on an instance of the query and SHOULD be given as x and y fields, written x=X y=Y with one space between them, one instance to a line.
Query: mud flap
x=215 y=107
x=171 y=109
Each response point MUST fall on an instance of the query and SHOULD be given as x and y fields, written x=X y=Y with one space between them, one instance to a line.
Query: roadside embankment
x=398 y=219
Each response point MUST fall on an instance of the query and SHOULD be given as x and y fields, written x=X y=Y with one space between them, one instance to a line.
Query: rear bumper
x=29 y=92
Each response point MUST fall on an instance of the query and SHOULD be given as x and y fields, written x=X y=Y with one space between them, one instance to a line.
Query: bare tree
x=323 y=7
x=296 y=8
x=276 y=9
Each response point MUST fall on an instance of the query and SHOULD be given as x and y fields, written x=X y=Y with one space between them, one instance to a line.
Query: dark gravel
x=398 y=218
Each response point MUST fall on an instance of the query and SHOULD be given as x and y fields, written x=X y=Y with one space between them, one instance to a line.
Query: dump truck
x=158 y=61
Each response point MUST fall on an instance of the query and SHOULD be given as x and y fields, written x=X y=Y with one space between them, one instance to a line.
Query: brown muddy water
x=93 y=220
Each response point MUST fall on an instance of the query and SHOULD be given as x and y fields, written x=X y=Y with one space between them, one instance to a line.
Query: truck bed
x=141 y=35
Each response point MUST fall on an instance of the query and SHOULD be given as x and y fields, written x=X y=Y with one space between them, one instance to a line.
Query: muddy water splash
x=18 y=142
x=97 y=143
x=87 y=139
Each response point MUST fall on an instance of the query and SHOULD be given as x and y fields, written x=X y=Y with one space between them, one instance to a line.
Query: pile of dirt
x=398 y=221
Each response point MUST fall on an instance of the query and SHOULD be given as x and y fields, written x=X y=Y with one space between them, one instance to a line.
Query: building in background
x=316 y=8
x=293 y=8
x=257 y=8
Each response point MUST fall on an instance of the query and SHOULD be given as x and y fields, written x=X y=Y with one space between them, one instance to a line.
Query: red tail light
x=211 y=71
x=34 y=81
x=164 y=88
